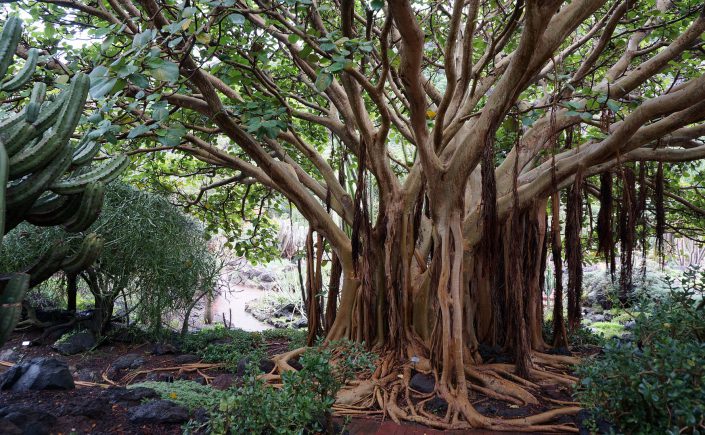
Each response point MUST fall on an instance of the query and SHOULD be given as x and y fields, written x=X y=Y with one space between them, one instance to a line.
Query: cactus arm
x=24 y=75
x=29 y=189
x=107 y=172
x=86 y=255
x=88 y=211
x=73 y=107
x=85 y=153
x=57 y=216
x=4 y=169
x=11 y=304
x=9 y=38
x=50 y=111
x=36 y=157
x=48 y=203
x=47 y=265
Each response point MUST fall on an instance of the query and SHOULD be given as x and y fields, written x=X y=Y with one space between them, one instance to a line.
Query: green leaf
x=237 y=19
x=323 y=80
x=164 y=70
x=377 y=4
x=613 y=105
x=138 y=131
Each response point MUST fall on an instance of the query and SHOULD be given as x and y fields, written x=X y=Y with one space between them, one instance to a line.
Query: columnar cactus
x=46 y=178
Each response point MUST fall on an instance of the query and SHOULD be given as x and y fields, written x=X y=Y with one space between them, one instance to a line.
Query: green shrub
x=655 y=390
x=230 y=346
x=304 y=401
x=655 y=383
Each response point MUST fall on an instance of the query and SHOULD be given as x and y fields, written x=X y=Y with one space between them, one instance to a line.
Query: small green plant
x=580 y=337
x=189 y=394
x=660 y=389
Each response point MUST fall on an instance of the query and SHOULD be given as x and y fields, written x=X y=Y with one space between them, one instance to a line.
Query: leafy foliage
x=656 y=383
x=230 y=346
x=301 y=405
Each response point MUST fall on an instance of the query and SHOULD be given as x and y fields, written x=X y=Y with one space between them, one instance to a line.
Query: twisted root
x=388 y=393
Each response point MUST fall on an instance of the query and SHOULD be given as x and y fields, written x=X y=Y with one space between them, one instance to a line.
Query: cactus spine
x=36 y=151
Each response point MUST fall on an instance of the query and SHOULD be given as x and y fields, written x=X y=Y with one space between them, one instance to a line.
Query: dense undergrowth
x=654 y=382
x=230 y=346
x=300 y=404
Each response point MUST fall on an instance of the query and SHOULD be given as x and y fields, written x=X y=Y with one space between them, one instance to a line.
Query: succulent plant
x=46 y=178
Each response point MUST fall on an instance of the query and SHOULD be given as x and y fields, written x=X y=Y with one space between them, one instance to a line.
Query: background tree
x=155 y=260
x=421 y=140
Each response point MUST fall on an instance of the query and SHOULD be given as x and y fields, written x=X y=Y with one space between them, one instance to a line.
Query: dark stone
x=437 y=405
x=9 y=428
x=267 y=277
x=559 y=351
x=493 y=354
x=201 y=415
x=295 y=364
x=130 y=396
x=54 y=316
x=598 y=318
x=87 y=375
x=163 y=349
x=76 y=343
x=223 y=381
x=487 y=409
x=27 y=420
x=629 y=325
x=265 y=366
x=301 y=323
x=95 y=408
x=128 y=361
x=422 y=383
x=10 y=355
x=37 y=374
x=284 y=311
x=158 y=412
x=585 y=421
x=186 y=359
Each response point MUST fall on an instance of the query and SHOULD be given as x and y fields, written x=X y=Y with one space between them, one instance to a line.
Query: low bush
x=654 y=383
x=580 y=337
x=657 y=389
x=230 y=346
x=302 y=404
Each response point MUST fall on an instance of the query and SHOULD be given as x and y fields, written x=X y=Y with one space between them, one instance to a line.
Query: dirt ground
x=105 y=417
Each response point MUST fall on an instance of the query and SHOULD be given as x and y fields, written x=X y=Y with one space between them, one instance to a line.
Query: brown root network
x=388 y=393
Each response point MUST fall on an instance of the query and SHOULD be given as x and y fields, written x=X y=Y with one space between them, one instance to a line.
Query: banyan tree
x=441 y=151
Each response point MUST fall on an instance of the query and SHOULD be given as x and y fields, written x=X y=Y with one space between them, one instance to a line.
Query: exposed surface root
x=388 y=393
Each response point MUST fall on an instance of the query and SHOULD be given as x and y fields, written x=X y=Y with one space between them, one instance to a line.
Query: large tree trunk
x=438 y=316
